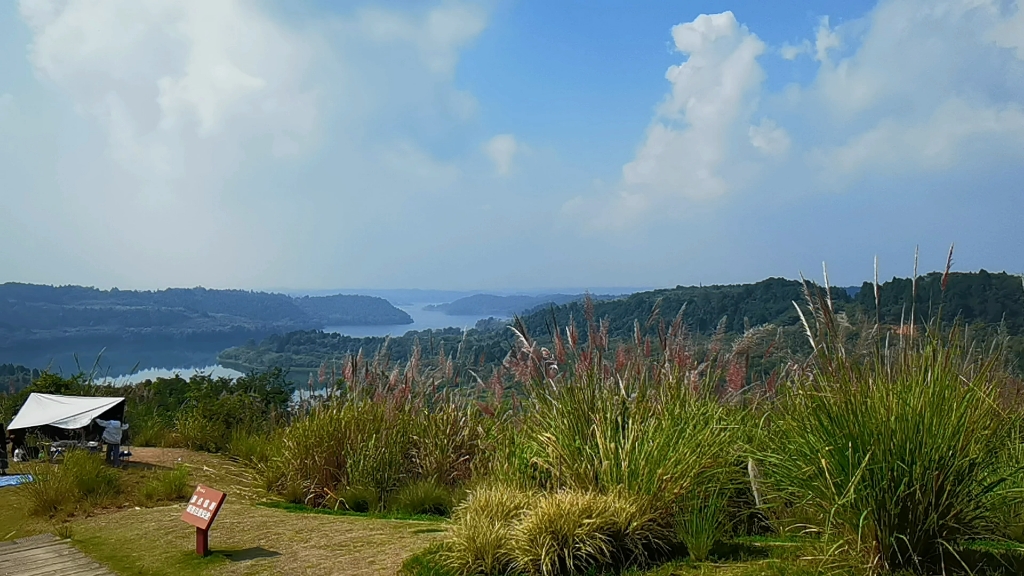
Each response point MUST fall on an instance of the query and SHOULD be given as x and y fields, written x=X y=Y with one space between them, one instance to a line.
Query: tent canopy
x=68 y=412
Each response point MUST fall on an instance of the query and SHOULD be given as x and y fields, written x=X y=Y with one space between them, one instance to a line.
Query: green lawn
x=247 y=539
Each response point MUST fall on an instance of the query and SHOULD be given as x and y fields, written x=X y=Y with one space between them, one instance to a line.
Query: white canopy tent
x=69 y=412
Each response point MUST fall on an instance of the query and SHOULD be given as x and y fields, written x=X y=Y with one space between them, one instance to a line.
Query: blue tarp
x=14 y=480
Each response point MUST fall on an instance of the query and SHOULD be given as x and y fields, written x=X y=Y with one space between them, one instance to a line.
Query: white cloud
x=438 y=36
x=924 y=89
x=792 y=51
x=826 y=39
x=915 y=89
x=157 y=71
x=228 y=124
x=1009 y=33
x=502 y=149
x=689 y=140
x=769 y=138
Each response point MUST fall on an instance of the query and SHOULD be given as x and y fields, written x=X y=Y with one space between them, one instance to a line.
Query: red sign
x=203 y=507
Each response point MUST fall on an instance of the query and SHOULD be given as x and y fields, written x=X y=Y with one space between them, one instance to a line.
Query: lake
x=421 y=320
x=129 y=362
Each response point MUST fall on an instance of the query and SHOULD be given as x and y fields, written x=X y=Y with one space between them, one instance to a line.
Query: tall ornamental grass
x=656 y=439
x=899 y=452
x=81 y=481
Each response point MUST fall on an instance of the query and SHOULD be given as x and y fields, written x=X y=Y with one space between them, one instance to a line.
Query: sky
x=506 y=144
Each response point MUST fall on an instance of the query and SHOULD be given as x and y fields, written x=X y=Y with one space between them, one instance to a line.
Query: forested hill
x=980 y=298
x=977 y=297
x=33 y=313
x=14 y=378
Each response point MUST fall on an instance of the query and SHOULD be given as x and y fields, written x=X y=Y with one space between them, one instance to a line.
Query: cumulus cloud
x=502 y=149
x=826 y=39
x=226 y=122
x=690 y=138
x=916 y=88
x=769 y=138
x=792 y=51
x=926 y=91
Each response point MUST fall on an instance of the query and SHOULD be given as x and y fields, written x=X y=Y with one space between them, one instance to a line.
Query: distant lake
x=421 y=320
x=130 y=362
x=124 y=362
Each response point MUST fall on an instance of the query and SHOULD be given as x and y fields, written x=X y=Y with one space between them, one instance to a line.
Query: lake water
x=132 y=362
x=421 y=320
x=214 y=370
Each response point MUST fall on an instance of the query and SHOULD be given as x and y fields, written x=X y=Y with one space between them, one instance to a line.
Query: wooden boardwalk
x=45 y=555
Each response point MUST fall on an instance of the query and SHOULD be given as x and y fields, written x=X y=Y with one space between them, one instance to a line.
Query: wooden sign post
x=201 y=511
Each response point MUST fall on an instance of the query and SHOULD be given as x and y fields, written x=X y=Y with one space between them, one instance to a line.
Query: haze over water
x=422 y=320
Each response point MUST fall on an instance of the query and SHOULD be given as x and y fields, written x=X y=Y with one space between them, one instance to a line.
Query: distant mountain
x=489 y=304
x=398 y=297
x=984 y=300
x=32 y=313
x=351 y=310
x=14 y=378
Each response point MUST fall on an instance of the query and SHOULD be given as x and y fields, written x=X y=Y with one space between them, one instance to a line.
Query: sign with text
x=203 y=507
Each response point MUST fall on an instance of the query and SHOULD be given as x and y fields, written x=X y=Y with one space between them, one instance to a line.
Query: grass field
x=246 y=539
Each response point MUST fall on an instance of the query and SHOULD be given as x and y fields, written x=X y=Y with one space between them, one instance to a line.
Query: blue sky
x=506 y=144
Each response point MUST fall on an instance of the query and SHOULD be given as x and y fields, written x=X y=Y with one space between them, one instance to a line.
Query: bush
x=253 y=448
x=500 y=529
x=704 y=519
x=81 y=480
x=1010 y=499
x=358 y=499
x=901 y=455
x=167 y=486
x=422 y=497
x=147 y=428
x=347 y=444
x=446 y=442
x=195 y=430
x=481 y=531
x=649 y=438
x=571 y=532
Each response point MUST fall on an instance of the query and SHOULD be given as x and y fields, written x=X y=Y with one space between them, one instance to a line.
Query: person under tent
x=112 y=430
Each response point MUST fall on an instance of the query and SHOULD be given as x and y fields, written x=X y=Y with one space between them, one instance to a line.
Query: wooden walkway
x=45 y=555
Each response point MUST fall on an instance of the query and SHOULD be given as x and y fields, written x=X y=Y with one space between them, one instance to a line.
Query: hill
x=484 y=304
x=32 y=313
x=14 y=378
x=983 y=300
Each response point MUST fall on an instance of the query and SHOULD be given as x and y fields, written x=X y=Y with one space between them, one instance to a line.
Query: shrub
x=446 y=441
x=703 y=519
x=1010 y=499
x=650 y=438
x=359 y=444
x=481 y=531
x=571 y=532
x=253 y=448
x=900 y=454
x=359 y=499
x=81 y=480
x=147 y=428
x=422 y=497
x=167 y=486
x=196 y=431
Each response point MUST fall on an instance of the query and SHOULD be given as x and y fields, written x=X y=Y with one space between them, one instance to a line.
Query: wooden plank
x=58 y=566
x=43 y=559
x=45 y=555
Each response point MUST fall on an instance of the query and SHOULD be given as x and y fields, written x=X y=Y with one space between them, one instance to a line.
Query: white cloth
x=69 y=412
x=112 y=430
